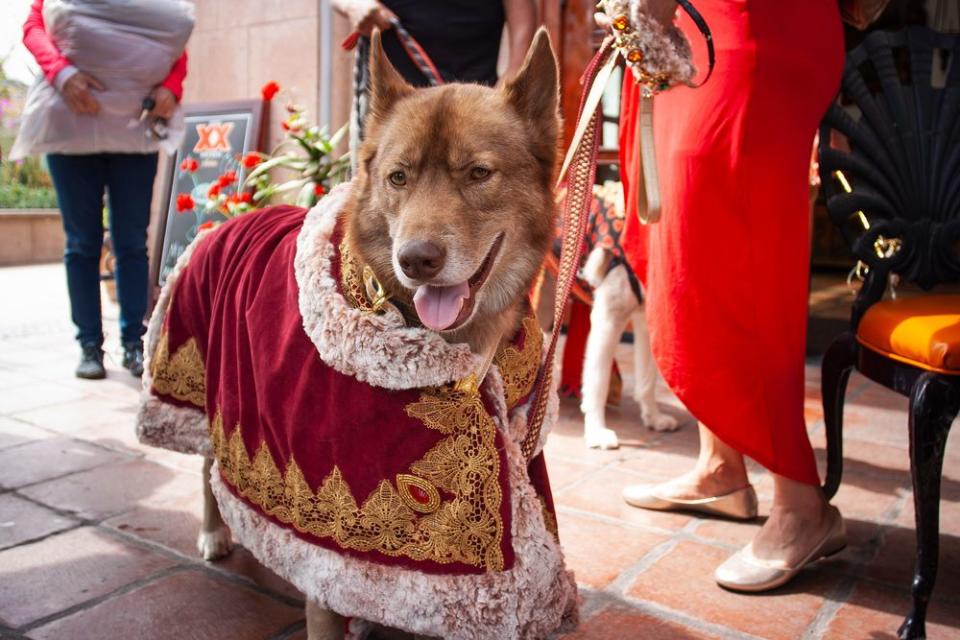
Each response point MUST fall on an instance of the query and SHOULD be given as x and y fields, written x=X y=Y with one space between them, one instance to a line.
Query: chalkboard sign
x=217 y=137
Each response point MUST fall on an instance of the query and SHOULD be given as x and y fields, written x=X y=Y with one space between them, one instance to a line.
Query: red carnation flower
x=319 y=190
x=269 y=90
x=185 y=202
x=251 y=160
x=227 y=179
x=206 y=225
x=189 y=165
x=246 y=197
x=214 y=191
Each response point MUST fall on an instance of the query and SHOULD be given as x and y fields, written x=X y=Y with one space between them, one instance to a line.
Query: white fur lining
x=182 y=429
x=377 y=349
x=535 y=598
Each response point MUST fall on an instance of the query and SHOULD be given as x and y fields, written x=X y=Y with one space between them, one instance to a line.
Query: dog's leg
x=613 y=302
x=323 y=624
x=214 y=539
x=645 y=391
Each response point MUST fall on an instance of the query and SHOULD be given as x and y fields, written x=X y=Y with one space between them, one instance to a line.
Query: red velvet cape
x=409 y=477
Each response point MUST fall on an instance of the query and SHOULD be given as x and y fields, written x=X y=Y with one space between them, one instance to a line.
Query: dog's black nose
x=421 y=259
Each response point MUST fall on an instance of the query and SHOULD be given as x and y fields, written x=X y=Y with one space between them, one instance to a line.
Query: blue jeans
x=80 y=182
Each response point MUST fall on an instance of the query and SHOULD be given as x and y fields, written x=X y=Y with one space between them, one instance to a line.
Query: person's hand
x=366 y=15
x=603 y=20
x=165 y=102
x=76 y=93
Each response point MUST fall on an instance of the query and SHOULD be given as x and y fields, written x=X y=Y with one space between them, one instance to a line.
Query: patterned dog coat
x=354 y=456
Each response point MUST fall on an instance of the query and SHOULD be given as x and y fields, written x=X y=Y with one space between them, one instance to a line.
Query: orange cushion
x=923 y=331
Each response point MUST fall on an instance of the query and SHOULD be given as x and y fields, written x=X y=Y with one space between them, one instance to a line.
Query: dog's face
x=453 y=204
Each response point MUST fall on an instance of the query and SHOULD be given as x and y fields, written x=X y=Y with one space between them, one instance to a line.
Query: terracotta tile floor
x=97 y=531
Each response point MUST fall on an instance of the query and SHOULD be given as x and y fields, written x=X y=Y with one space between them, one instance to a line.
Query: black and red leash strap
x=416 y=53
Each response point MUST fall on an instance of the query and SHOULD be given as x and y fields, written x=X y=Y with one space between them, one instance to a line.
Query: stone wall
x=238 y=45
x=29 y=236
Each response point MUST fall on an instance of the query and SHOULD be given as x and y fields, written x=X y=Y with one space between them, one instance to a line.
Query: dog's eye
x=479 y=173
x=398 y=178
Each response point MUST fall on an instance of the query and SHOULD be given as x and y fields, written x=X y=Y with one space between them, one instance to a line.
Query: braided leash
x=582 y=166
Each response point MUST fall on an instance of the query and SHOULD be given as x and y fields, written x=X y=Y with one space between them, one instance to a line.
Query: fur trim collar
x=377 y=349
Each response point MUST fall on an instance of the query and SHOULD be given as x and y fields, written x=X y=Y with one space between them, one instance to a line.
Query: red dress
x=729 y=261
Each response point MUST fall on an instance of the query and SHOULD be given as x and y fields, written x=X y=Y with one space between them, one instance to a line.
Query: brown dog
x=452 y=210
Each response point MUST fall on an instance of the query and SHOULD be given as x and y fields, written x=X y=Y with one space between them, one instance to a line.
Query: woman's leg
x=799 y=519
x=130 y=185
x=79 y=181
x=718 y=471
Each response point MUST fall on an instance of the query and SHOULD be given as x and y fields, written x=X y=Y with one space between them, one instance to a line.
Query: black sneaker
x=133 y=358
x=91 y=363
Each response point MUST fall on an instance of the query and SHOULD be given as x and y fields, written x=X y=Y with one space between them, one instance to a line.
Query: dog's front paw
x=601 y=438
x=215 y=544
x=659 y=421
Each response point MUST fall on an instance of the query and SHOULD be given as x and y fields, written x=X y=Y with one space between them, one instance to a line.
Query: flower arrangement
x=307 y=151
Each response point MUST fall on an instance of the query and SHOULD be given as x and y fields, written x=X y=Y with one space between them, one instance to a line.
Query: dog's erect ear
x=533 y=92
x=387 y=86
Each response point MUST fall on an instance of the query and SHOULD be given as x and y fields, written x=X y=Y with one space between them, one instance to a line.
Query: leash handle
x=704 y=29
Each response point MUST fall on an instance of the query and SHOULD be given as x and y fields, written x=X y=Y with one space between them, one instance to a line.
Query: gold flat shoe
x=737 y=505
x=745 y=572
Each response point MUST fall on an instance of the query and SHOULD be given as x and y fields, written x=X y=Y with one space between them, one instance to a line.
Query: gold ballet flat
x=737 y=505
x=743 y=571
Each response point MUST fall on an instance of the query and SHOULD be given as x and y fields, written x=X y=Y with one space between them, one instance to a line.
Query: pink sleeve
x=41 y=45
x=178 y=73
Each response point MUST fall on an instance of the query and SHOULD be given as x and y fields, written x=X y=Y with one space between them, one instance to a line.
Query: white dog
x=617 y=299
x=614 y=304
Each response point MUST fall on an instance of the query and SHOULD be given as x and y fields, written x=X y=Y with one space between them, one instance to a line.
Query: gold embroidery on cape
x=466 y=527
x=353 y=282
x=519 y=367
x=406 y=484
x=182 y=376
x=549 y=519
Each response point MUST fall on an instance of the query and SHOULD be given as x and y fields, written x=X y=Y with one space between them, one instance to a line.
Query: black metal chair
x=893 y=188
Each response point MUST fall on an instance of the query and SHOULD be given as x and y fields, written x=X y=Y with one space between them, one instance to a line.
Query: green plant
x=307 y=152
x=17 y=196
x=24 y=184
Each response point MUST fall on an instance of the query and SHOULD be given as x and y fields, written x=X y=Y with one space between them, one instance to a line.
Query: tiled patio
x=97 y=532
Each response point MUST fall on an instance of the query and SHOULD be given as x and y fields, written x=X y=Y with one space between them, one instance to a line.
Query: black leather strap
x=704 y=28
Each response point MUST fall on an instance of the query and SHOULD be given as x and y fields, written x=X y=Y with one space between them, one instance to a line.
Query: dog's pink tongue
x=438 y=307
